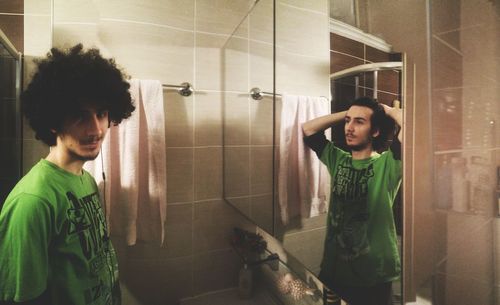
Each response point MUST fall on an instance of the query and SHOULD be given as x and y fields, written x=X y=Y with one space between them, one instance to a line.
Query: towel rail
x=185 y=89
x=258 y=94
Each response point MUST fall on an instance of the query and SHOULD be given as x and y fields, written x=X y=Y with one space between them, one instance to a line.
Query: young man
x=360 y=258
x=54 y=243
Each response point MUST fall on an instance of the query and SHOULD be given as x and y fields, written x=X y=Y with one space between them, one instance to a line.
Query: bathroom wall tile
x=301 y=31
x=236 y=171
x=445 y=15
x=242 y=204
x=207 y=173
x=261 y=66
x=221 y=17
x=477 y=12
x=262 y=211
x=387 y=80
x=213 y=225
x=179 y=119
x=13 y=28
x=79 y=11
x=208 y=119
x=33 y=151
x=9 y=158
x=208 y=61
x=375 y=55
x=180 y=175
x=179 y=231
x=320 y=6
x=261 y=22
x=28 y=133
x=235 y=65
x=155 y=52
x=156 y=282
x=261 y=173
x=261 y=121
x=339 y=62
x=314 y=74
x=446 y=66
x=347 y=46
x=6 y=186
x=236 y=118
x=12 y=6
x=447 y=118
x=37 y=7
x=464 y=291
x=383 y=97
x=307 y=247
x=66 y=35
x=215 y=271
x=173 y=13
x=37 y=35
x=8 y=119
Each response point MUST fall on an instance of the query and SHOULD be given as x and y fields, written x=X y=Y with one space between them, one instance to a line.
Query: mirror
x=309 y=47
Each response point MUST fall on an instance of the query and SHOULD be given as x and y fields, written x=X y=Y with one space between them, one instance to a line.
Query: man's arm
x=397 y=115
x=322 y=123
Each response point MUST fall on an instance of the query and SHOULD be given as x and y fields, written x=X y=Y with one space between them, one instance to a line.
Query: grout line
x=193 y=151
x=448 y=45
x=463 y=150
x=302 y=9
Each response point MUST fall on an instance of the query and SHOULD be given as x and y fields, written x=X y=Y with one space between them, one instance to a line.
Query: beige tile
x=33 y=151
x=446 y=66
x=207 y=173
x=155 y=52
x=261 y=170
x=476 y=12
x=320 y=6
x=174 y=13
x=215 y=271
x=213 y=225
x=67 y=35
x=314 y=74
x=447 y=118
x=179 y=121
x=261 y=121
x=80 y=11
x=235 y=64
x=156 y=282
x=235 y=113
x=461 y=290
x=302 y=31
x=236 y=171
x=37 y=35
x=262 y=211
x=261 y=66
x=38 y=7
x=208 y=61
x=221 y=17
x=207 y=118
x=179 y=231
x=445 y=15
x=261 y=22
x=242 y=204
x=180 y=175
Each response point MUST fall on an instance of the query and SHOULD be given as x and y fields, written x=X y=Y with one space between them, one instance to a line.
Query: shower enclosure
x=10 y=117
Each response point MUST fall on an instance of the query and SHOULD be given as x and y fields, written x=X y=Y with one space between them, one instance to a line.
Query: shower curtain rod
x=378 y=66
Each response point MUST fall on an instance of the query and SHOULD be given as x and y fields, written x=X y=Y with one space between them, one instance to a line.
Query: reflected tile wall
x=465 y=114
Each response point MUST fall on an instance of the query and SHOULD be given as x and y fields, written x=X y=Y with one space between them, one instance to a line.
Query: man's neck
x=62 y=160
x=363 y=153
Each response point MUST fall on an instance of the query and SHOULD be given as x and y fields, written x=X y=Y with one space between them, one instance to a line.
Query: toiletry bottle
x=245 y=283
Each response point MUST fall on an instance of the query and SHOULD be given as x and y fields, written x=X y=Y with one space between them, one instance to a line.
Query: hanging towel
x=303 y=181
x=134 y=160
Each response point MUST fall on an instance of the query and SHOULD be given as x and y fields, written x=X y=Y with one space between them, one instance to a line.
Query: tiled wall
x=302 y=68
x=465 y=87
x=173 y=41
x=11 y=24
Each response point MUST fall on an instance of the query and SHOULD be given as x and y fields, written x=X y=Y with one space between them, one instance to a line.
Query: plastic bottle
x=245 y=283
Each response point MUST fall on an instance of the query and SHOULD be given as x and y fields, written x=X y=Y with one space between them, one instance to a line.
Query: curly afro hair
x=379 y=121
x=68 y=79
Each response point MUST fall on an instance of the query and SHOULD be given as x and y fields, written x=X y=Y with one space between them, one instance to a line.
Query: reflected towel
x=303 y=181
x=134 y=159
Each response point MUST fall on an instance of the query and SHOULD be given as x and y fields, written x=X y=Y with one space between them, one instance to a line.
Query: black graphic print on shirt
x=350 y=212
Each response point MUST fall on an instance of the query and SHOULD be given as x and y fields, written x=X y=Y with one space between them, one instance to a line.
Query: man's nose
x=94 y=127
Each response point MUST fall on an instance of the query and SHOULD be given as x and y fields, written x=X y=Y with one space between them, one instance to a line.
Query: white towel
x=134 y=158
x=303 y=181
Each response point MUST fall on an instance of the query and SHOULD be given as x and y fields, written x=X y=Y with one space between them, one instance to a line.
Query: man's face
x=358 y=127
x=83 y=132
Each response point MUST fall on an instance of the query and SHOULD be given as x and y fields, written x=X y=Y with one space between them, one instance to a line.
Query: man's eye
x=102 y=114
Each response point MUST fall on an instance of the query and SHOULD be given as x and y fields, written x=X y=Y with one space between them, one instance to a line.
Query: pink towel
x=303 y=181
x=134 y=159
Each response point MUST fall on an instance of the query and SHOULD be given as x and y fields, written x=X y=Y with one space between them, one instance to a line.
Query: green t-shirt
x=361 y=244
x=53 y=236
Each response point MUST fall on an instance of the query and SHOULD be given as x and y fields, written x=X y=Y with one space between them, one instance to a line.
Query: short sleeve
x=25 y=232
x=395 y=167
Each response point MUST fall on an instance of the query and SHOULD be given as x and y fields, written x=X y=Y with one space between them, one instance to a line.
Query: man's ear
x=375 y=133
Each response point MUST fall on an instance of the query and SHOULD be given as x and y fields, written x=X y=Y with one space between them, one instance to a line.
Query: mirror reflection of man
x=54 y=243
x=360 y=259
